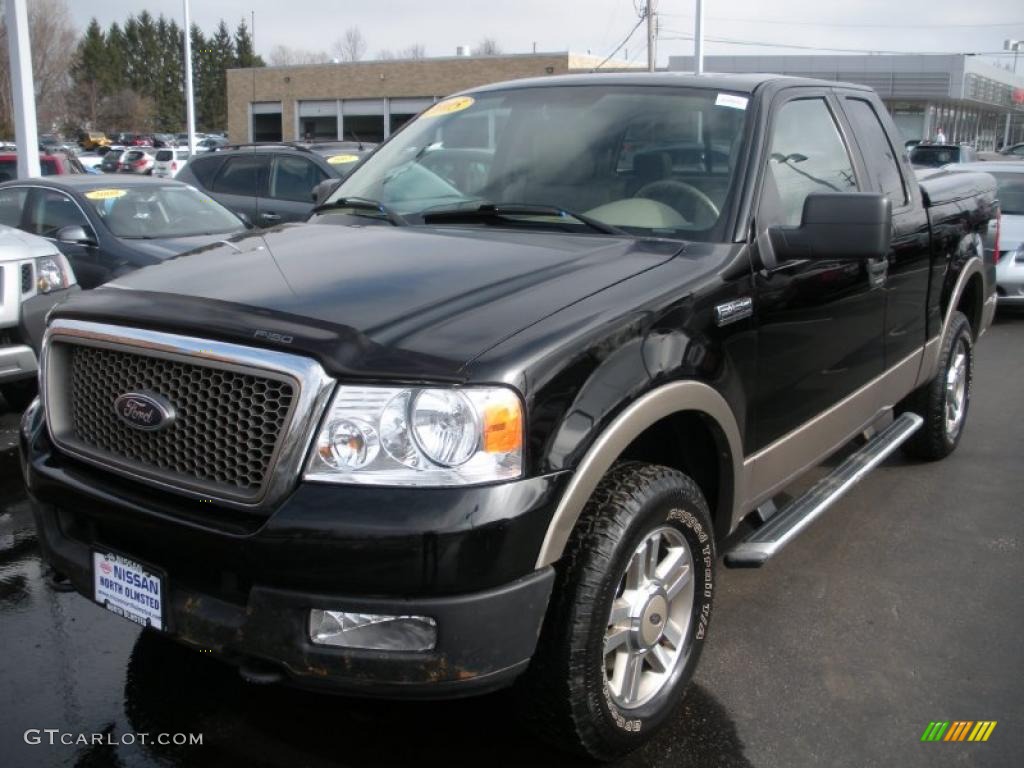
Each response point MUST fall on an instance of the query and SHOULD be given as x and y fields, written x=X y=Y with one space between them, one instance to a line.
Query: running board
x=786 y=524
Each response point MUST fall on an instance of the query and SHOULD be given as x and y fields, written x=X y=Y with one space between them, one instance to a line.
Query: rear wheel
x=943 y=402
x=629 y=614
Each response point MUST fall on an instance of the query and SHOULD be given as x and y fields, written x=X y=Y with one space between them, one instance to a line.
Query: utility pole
x=190 y=107
x=23 y=95
x=1010 y=45
x=652 y=35
x=698 y=39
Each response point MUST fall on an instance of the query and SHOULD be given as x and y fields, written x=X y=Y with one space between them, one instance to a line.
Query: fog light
x=372 y=631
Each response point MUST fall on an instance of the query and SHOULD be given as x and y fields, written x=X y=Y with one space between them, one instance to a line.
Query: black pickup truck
x=497 y=411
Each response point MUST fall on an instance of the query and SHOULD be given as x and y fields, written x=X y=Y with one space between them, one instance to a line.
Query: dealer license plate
x=129 y=589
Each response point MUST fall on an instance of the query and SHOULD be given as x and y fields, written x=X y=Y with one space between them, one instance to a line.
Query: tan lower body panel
x=773 y=467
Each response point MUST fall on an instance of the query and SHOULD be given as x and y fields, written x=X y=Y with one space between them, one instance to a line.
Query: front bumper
x=1010 y=282
x=18 y=356
x=17 y=362
x=243 y=590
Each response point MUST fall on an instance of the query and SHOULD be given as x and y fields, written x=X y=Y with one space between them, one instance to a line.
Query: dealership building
x=964 y=96
x=368 y=100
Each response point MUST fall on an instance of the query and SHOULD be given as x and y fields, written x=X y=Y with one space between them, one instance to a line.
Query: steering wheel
x=682 y=197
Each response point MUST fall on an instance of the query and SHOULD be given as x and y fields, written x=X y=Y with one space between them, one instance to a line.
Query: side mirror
x=74 y=234
x=325 y=189
x=837 y=226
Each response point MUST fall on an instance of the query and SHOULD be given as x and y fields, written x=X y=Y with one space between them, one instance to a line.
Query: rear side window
x=12 y=201
x=240 y=176
x=294 y=178
x=879 y=156
x=205 y=169
x=807 y=155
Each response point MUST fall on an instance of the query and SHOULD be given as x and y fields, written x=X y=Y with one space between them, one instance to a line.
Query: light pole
x=190 y=109
x=698 y=39
x=1010 y=45
x=23 y=95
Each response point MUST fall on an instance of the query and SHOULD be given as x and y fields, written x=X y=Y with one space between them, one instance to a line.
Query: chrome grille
x=226 y=432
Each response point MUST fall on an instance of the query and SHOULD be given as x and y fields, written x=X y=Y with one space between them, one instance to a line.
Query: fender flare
x=677 y=397
x=930 y=361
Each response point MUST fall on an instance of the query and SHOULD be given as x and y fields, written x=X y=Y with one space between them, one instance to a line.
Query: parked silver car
x=1010 y=267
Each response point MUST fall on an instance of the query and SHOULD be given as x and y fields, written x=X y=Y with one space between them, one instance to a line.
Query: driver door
x=49 y=210
x=821 y=323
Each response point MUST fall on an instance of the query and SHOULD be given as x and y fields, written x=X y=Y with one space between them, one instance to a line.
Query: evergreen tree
x=89 y=74
x=245 y=55
x=219 y=57
x=199 y=45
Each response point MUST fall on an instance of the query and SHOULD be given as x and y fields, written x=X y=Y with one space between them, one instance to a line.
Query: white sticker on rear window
x=731 y=100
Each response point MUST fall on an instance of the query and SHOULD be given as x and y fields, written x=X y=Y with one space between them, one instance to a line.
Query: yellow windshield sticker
x=106 y=194
x=341 y=159
x=448 y=106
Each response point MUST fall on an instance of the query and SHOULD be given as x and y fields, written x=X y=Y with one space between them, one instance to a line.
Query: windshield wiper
x=362 y=204
x=497 y=212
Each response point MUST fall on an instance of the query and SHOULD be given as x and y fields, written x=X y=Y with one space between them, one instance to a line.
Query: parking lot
x=901 y=607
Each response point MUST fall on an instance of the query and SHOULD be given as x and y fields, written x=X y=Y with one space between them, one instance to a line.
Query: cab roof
x=736 y=82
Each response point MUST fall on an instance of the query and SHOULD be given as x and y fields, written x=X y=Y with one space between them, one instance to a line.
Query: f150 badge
x=733 y=311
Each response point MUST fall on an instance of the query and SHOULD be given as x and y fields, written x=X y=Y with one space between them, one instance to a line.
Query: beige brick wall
x=372 y=79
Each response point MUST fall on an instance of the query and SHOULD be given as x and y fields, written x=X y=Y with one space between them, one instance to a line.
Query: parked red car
x=56 y=164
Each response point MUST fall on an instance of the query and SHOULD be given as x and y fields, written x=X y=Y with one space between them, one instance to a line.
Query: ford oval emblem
x=144 y=410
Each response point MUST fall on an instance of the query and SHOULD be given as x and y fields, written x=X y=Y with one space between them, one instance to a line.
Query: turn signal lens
x=503 y=426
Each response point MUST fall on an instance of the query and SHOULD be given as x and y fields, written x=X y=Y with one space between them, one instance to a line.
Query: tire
x=936 y=439
x=18 y=394
x=566 y=694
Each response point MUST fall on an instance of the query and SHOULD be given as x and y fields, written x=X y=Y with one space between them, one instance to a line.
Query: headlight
x=419 y=436
x=53 y=273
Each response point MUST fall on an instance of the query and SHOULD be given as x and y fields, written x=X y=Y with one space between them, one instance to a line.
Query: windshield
x=1011 y=193
x=152 y=211
x=933 y=157
x=648 y=160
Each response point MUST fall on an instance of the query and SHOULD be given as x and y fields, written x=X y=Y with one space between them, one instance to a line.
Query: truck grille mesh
x=26 y=278
x=226 y=429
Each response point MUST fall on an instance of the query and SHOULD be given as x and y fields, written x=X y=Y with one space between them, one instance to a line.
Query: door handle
x=878 y=271
x=270 y=217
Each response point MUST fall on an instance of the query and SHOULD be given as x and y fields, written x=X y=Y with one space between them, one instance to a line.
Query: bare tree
x=414 y=51
x=283 y=56
x=126 y=107
x=53 y=38
x=351 y=47
x=488 y=47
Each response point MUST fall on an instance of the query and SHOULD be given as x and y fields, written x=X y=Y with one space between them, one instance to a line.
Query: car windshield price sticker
x=340 y=159
x=128 y=589
x=731 y=100
x=105 y=194
x=448 y=106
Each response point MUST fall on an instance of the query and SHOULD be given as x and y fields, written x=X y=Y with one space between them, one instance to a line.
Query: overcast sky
x=599 y=25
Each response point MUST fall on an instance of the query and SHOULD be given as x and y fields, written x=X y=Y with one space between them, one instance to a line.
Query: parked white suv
x=169 y=161
x=34 y=276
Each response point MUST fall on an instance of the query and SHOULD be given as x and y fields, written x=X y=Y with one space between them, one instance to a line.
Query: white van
x=169 y=162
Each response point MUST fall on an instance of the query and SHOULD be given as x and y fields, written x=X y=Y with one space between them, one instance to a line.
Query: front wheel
x=943 y=401
x=629 y=614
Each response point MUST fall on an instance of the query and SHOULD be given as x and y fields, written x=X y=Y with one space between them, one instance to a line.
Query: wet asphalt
x=904 y=605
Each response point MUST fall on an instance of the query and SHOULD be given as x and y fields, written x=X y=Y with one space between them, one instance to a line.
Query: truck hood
x=16 y=245
x=373 y=300
x=163 y=248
